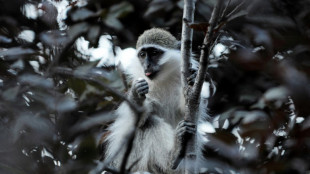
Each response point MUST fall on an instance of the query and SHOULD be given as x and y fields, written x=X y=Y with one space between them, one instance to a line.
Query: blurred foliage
x=262 y=95
x=53 y=104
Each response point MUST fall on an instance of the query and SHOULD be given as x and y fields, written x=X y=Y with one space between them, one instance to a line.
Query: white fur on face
x=169 y=63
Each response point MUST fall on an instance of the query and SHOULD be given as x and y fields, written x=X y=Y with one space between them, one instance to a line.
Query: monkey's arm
x=136 y=94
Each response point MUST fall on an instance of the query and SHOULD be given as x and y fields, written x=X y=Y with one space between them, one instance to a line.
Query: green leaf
x=16 y=53
x=36 y=81
x=118 y=11
x=121 y=10
x=82 y=14
x=276 y=93
x=76 y=30
x=237 y=15
x=91 y=122
x=86 y=68
x=115 y=81
x=11 y=93
x=113 y=23
x=56 y=101
x=53 y=38
x=158 y=6
x=93 y=34
x=89 y=89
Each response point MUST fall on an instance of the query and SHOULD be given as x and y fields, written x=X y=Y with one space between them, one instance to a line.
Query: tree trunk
x=192 y=94
x=186 y=51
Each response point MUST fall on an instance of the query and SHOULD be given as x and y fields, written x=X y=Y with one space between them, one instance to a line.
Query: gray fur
x=157 y=36
x=156 y=144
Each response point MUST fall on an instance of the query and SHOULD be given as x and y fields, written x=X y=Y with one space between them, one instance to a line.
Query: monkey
x=158 y=88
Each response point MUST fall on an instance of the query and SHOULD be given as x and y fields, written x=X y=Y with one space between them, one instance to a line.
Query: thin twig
x=234 y=10
x=225 y=10
x=226 y=18
x=205 y=52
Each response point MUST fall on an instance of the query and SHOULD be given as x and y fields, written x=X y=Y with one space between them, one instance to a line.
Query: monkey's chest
x=168 y=110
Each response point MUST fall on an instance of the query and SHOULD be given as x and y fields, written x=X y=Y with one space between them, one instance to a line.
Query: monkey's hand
x=139 y=88
x=192 y=77
x=184 y=131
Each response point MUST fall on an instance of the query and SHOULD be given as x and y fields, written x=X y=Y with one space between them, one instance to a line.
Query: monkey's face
x=150 y=59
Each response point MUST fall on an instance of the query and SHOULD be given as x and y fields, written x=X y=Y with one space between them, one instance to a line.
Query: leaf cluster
x=261 y=100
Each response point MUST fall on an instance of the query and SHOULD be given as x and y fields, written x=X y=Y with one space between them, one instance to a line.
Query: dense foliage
x=55 y=103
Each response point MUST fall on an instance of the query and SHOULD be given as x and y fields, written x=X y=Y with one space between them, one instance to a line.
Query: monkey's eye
x=155 y=52
x=142 y=54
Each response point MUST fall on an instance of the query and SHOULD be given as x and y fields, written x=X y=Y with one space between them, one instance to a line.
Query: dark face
x=149 y=58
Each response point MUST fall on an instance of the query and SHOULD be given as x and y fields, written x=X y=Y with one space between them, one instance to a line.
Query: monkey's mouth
x=151 y=75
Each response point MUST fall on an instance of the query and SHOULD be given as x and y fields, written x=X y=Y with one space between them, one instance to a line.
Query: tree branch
x=186 y=41
x=186 y=52
x=225 y=10
x=234 y=10
x=192 y=94
x=205 y=51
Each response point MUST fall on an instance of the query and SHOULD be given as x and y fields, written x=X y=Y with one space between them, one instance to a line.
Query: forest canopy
x=55 y=101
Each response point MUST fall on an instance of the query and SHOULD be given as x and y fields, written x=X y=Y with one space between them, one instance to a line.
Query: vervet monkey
x=157 y=86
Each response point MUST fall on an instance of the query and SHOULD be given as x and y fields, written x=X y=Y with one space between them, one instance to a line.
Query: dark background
x=51 y=118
